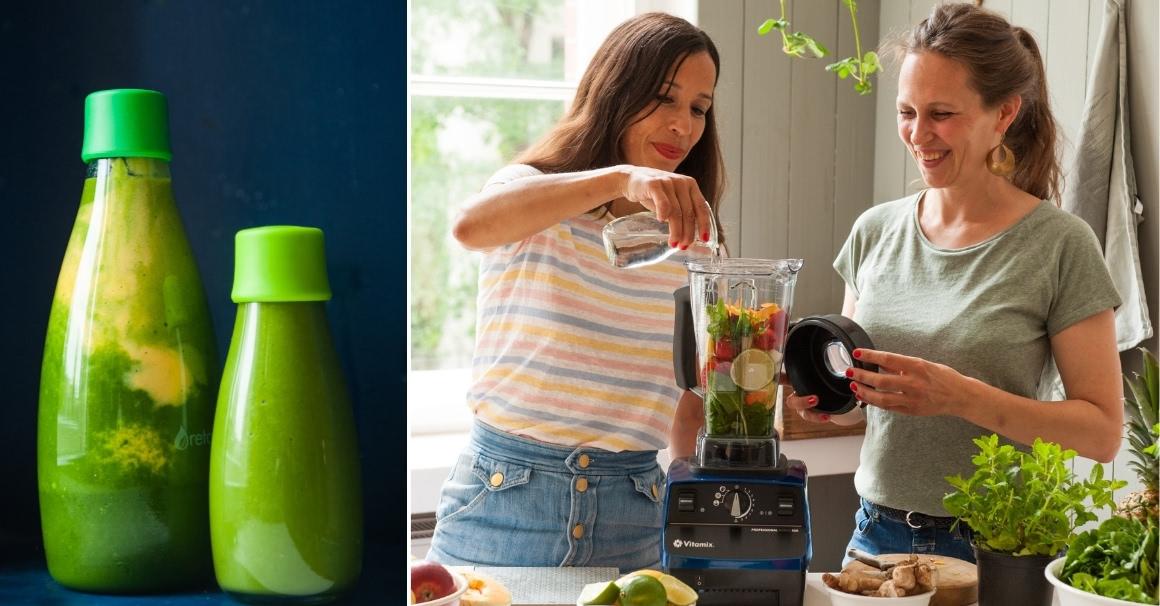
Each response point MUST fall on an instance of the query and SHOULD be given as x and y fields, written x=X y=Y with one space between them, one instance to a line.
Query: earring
x=1001 y=160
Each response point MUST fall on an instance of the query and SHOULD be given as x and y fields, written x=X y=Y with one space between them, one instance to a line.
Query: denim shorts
x=879 y=530
x=513 y=501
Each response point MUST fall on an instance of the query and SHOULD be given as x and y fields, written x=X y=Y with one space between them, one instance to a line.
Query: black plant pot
x=1006 y=579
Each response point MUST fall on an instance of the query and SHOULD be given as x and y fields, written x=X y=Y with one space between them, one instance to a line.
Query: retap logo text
x=679 y=543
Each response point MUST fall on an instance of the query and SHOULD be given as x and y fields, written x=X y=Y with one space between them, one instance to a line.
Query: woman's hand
x=674 y=198
x=801 y=404
x=907 y=385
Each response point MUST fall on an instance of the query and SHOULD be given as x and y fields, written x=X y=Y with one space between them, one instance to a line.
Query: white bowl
x=841 y=598
x=1073 y=596
x=453 y=599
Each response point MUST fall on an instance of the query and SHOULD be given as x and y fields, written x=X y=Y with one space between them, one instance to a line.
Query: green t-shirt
x=987 y=311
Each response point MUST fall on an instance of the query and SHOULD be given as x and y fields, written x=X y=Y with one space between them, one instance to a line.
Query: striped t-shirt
x=570 y=350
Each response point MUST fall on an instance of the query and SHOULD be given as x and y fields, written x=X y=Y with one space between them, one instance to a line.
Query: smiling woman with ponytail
x=971 y=287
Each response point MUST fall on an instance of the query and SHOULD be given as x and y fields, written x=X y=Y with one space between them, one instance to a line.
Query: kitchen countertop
x=560 y=586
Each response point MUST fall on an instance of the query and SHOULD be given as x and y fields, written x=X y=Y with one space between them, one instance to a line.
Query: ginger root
x=889 y=590
x=903 y=576
x=854 y=582
x=911 y=576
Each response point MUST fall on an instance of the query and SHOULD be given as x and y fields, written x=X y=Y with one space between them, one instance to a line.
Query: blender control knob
x=737 y=501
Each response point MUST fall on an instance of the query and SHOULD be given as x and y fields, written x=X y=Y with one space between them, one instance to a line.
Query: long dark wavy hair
x=1003 y=60
x=624 y=78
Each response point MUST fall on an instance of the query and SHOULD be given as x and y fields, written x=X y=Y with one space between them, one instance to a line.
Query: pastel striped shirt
x=570 y=350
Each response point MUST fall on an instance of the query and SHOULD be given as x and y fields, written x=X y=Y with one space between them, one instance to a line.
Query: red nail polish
x=673 y=244
x=825 y=417
x=813 y=400
x=853 y=387
x=857 y=353
x=849 y=373
x=684 y=246
x=705 y=236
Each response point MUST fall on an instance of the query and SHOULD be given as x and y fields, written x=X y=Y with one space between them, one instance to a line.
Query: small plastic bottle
x=129 y=371
x=285 y=493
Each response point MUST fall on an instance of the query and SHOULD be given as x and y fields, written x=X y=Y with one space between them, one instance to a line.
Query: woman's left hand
x=907 y=385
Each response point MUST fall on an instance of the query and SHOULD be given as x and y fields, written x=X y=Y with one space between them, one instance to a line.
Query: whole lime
x=642 y=590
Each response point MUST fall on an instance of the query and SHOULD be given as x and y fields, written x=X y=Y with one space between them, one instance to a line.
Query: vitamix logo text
x=679 y=543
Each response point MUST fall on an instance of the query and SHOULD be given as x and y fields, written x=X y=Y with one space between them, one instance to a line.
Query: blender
x=737 y=520
x=737 y=523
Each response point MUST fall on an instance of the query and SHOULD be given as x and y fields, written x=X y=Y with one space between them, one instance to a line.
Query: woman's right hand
x=676 y=199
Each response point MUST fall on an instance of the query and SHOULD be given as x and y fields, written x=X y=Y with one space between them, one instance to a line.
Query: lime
x=753 y=369
x=677 y=592
x=599 y=593
x=648 y=572
x=643 y=590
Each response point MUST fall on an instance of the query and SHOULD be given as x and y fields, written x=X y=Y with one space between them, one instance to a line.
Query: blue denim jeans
x=877 y=532
x=512 y=501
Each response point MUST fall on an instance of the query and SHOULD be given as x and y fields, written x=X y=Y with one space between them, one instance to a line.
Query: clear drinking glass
x=641 y=239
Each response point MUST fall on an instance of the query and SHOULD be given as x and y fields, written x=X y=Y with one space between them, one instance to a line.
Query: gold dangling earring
x=1001 y=160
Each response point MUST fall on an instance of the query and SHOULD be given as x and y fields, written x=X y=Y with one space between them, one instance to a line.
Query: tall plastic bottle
x=285 y=493
x=127 y=382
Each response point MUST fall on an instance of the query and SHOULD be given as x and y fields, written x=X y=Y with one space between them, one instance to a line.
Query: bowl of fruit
x=639 y=588
x=433 y=584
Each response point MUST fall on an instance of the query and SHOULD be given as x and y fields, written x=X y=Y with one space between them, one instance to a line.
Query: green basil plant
x=1026 y=503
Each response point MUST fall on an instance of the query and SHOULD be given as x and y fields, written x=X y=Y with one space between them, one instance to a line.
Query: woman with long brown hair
x=971 y=287
x=573 y=389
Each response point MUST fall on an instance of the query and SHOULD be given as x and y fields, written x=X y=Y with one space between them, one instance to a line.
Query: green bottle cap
x=280 y=264
x=126 y=123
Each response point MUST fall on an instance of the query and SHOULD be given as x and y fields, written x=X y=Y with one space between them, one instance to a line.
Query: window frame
x=589 y=23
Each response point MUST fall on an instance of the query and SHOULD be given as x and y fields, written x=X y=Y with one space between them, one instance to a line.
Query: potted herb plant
x=1023 y=507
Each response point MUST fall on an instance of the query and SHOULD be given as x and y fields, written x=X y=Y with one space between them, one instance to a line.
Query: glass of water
x=641 y=239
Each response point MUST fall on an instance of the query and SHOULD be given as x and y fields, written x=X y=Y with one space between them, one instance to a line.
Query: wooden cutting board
x=958 y=582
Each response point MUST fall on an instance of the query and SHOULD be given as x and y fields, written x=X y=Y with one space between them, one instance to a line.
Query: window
x=487 y=78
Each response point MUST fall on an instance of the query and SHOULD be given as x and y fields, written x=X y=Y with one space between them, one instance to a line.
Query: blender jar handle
x=684 y=342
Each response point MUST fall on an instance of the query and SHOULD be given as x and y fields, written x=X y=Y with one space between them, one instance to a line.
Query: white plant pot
x=1071 y=596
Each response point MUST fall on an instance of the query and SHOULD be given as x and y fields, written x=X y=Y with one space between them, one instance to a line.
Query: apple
x=430 y=580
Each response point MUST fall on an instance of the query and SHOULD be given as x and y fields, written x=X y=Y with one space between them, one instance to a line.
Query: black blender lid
x=818 y=350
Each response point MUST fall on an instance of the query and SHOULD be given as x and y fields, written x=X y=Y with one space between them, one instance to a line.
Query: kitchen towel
x=1102 y=181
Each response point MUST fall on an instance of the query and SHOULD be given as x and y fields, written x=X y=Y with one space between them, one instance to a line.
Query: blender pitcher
x=739 y=312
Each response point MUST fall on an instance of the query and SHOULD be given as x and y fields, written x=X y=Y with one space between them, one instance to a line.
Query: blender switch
x=686 y=501
x=785 y=506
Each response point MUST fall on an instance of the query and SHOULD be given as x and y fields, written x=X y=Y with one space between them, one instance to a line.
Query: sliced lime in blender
x=753 y=369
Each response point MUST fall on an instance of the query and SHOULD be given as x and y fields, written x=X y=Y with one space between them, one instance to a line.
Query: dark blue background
x=281 y=112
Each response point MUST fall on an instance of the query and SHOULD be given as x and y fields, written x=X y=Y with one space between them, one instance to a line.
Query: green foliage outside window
x=458 y=142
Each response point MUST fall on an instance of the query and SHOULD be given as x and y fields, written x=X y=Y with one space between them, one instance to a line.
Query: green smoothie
x=126 y=393
x=285 y=493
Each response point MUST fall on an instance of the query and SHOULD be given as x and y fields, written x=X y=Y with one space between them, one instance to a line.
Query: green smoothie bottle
x=130 y=366
x=285 y=494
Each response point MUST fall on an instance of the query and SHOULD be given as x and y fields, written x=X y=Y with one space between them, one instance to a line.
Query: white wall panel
x=890 y=158
x=724 y=25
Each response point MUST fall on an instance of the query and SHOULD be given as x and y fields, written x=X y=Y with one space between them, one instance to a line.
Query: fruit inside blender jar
x=740 y=368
